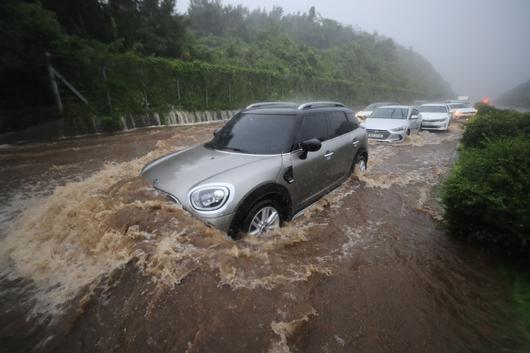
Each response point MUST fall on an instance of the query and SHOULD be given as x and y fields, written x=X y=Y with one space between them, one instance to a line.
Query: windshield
x=459 y=106
x=255 y=134
x=390 y=113
x=433 y=109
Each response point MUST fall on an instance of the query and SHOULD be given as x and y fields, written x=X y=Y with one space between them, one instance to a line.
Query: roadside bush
x=486 y=197
x=495 y=124
x=521 y=291
x=109 y=124
x=483 y=108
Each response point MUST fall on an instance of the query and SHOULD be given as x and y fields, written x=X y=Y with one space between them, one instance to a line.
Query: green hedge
x=521 y=291
x=486 y=197
x=493 y=124
x=136 y=84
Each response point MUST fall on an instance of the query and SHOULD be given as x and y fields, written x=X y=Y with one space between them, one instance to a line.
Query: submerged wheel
x=361 y=161
x=362 y=164
x=263 y=217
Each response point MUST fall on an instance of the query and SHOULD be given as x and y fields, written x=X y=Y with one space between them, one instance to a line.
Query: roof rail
x=310 y=105
x=271 y=105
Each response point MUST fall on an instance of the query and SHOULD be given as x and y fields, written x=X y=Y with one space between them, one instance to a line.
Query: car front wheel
x=361 y=164
x=263 y=217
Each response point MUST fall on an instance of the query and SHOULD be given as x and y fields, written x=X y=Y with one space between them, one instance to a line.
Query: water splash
x=98 y=225
x=286 y=330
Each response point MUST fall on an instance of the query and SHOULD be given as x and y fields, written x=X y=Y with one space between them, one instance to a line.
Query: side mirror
x=311 y=145
x=414 y=117
x=216 y=131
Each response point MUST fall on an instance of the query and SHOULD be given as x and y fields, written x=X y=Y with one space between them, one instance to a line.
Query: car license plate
x=377 y=136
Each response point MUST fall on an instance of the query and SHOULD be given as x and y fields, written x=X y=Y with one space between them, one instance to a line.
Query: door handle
x=355 y=142
x=328 y=155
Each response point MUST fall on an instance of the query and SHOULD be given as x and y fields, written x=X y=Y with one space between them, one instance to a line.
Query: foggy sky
x=481 y=47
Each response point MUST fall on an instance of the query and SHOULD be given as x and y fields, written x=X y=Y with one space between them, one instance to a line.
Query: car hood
x=179 y=172
x=384 y=124
x=433 y=116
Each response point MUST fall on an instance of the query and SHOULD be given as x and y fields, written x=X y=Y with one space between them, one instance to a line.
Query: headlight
x=398 y=129
x=209 y=198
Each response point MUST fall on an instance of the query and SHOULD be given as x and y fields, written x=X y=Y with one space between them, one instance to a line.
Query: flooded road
x=93 y=260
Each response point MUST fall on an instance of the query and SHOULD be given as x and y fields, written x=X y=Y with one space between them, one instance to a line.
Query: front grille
x=434 y=121
x=385 y=133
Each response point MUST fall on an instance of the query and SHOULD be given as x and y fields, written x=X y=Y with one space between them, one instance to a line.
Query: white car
x=462 y=111
x=436 y=116
x=392 y=123
x=365 y=113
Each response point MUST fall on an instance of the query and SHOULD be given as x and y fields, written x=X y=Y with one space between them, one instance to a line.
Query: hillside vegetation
x=518 y=97
x=139 y=56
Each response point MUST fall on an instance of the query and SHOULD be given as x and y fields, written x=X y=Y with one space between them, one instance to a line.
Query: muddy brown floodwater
x=93 y=260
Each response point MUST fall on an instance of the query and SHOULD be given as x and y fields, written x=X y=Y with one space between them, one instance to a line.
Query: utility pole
x=109 y=101
x=53 y=82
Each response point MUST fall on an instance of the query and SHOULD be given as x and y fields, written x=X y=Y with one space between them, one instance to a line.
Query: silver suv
x=267 y=164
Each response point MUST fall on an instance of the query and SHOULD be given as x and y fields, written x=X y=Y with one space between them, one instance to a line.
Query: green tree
x=28 y=31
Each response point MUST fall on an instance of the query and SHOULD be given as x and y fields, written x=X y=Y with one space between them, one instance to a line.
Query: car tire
x=408 y=132
x=361 y=161
x=257 y=214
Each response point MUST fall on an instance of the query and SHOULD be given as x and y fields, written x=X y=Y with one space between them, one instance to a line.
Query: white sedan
x=365 y=113
x=436 y=116
x=462 y=111
x=392 y=123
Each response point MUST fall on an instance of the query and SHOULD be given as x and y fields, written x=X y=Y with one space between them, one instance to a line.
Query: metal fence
x=117 y=84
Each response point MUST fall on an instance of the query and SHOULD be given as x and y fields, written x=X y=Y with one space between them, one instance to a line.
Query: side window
x=314 y=126
x=353 y=121
x=338 y=124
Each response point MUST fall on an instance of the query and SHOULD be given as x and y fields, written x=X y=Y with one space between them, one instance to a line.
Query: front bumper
x=221 y=222
x=385 y=135
x=435 y=125
x=463 y=116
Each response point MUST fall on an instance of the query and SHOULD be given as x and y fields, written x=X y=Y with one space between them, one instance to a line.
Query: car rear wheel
x=263 y=217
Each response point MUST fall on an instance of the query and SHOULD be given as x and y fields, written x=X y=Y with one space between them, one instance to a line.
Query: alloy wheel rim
x=264 y=220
